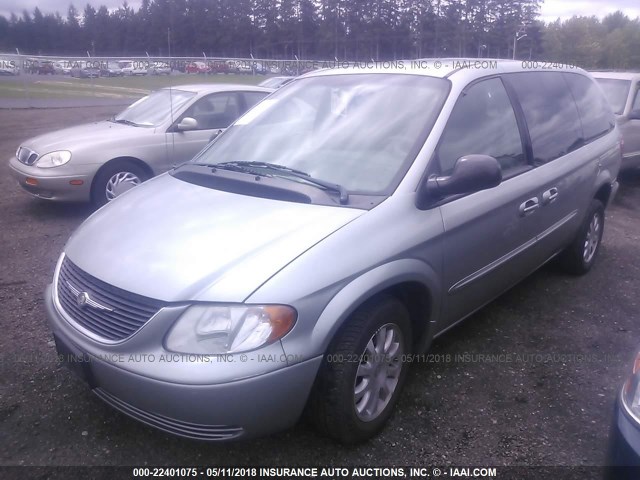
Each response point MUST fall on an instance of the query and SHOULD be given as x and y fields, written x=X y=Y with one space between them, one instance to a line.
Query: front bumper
x=53 y=183
x=248 y=407
x=623 y=458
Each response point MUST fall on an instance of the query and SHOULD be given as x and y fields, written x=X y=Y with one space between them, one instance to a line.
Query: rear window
x=595 y=113
x=551 y=114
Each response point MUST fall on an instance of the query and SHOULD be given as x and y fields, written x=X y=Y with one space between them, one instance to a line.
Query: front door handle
x=549 y=196
x=529 y=207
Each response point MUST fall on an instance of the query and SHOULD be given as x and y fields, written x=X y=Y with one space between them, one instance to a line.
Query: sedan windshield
x=360 y=132
x=153 y=110
x=616 y=92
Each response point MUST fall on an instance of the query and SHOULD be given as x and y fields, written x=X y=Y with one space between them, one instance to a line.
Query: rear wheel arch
x=604 y=193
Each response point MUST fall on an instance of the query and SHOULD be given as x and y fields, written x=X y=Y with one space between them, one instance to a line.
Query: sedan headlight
x=54 y=159
x=221 y=329
x=631 y=390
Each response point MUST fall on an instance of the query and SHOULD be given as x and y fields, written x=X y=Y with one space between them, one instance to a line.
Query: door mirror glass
x=186 y=124
x=471 y=173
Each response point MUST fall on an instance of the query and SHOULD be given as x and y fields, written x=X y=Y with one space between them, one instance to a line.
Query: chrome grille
x=109 y=312
x=26 y=156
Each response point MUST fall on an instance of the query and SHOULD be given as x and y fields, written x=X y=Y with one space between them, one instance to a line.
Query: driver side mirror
x=471 y=173
x=186 y=124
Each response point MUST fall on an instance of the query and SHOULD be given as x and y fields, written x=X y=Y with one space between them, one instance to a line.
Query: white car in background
x=62 y=67
x=133 y=67
x=159 y=68
x=622 y=89
x=9 y=66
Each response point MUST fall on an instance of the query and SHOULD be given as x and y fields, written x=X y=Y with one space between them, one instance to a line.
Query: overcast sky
x=551 y=9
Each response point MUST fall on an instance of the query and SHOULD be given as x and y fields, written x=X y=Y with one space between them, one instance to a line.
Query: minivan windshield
x=616 y=91
x=154 y=109
x=358 y=131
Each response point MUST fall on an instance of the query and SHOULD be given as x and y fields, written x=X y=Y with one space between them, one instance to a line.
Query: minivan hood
x=83 y=135
x=175 y=241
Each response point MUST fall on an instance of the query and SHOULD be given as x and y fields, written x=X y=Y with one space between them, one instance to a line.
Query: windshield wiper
x=334 y=187
x=124 y=121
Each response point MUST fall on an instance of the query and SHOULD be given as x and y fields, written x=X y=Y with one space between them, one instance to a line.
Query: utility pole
x=520 y=34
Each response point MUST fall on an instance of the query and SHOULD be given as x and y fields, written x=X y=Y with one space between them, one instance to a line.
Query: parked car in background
x=623 y=459
x=219 y=66
x=99 y=161
x=159 y=68
x=197 y=67
x=62 y=67
x=81 y=70
x=623 y=92
x=9 y=67
x=111 y=69
x=133 y=67
x=32 y=65
x=46 y=68
x=259 y=68
x=333 y=231
x=244 y=67
x=275 y=82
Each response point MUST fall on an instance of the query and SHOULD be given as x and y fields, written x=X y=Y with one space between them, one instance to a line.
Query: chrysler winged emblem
x=83 y=299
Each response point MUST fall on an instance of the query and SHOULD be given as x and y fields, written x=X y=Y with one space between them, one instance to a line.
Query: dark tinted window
x=551 y=114
x=251 y=98
x=482 y=122
x=595 y=113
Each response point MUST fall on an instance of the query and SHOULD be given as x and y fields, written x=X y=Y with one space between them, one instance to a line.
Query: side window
x=218 y=110
x=482 y=122
x=636 y=103
x=551 y=114
x=595 y=112
x=251 y=98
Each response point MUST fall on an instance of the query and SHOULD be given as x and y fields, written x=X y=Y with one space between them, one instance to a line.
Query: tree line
x=327 y=29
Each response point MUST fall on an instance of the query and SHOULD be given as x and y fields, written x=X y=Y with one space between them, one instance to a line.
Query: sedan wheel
x=120 y=183
x=114 y=179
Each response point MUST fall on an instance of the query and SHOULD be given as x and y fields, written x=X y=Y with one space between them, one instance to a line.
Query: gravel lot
x=546 y=406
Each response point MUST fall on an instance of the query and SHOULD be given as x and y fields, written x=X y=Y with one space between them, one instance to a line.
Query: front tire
x=580 y=256
x=361 y=376
x=114 y=179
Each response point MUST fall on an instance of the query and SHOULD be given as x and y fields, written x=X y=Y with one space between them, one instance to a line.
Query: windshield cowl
x=270 y=185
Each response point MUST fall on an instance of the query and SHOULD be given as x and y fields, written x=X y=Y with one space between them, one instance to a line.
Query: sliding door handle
x=529 y=207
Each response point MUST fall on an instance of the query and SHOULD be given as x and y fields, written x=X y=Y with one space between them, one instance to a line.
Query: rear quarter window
x=595 y=113
x=550 y=112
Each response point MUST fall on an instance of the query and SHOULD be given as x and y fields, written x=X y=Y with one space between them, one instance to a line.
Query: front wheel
x=115 y=179
x=363 y=372
x=580 y=256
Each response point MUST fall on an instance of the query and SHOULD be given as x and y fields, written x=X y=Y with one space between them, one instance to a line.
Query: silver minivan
x=304 y=257
x=622 y=89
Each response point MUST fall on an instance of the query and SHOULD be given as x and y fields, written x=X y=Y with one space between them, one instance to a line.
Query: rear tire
x=114 y=179
x=580 y=256
x=363 y=373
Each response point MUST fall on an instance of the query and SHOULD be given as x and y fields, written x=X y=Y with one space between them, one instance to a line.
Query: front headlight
x=631 y=390
x=53 y=159
x=221 y=329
